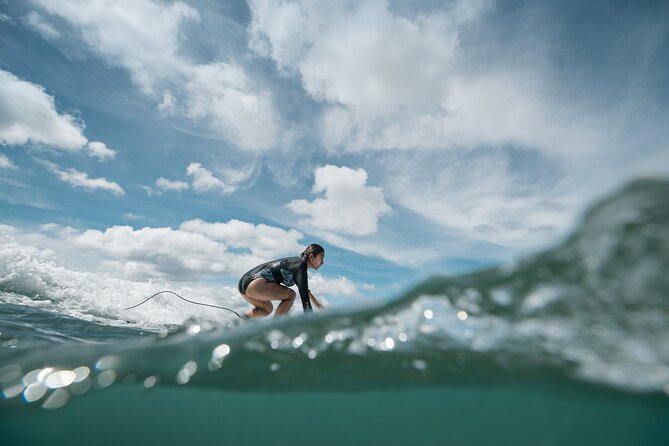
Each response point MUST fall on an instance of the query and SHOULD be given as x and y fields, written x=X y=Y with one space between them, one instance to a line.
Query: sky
x=188 y=141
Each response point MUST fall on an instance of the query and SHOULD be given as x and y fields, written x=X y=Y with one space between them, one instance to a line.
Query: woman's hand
x=315 y=301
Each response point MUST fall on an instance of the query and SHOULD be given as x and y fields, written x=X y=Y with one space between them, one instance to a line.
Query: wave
x=592 y=311
x=28 y=276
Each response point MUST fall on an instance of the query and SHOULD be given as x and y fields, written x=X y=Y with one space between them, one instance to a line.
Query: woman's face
x=316 y=261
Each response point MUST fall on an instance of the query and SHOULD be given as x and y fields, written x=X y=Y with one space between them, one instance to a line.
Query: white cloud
x=81 y=179
x=144 y=37
x=6 y=163
x=482 y=195
x=129 y=216
x=262 y=240
x=340 y=286
x=205 y=181
x=100 y=151
x=162 y=251
x=394 y=82
x=44 y=28
x=29 y=115
x=168 y=185
x=168 y=106
x=349 y=207
x=196 y=249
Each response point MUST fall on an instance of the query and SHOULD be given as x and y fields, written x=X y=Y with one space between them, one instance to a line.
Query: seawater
x=568 y=346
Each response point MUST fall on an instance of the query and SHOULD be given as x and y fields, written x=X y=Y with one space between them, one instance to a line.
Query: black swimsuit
x=288 y=271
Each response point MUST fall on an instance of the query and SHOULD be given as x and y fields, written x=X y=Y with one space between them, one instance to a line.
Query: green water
x=129 y=415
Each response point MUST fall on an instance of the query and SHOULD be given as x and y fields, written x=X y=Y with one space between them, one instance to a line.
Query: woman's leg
x=260 y=292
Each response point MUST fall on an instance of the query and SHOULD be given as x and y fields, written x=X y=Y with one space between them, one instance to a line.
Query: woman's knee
x=290 y=294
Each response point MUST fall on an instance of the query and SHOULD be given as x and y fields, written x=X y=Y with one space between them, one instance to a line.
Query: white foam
x=30 y=276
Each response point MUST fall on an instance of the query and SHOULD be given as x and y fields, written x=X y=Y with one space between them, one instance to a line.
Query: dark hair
x=314 y=249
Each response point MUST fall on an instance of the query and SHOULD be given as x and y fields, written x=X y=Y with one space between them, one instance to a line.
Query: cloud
x=508 y=197
x=100 y=151
x=6 y=163
x=393 y=81
x=262 y=240
x=340 y=286
x=29 y=115
x=45 y=29
x=161 y=251
x=195 y=250
x=129 y=216
x=145 y=37
x=81 y=179
x=6 y=19
x=167 y=185
x=205 y=181
x=349 y=207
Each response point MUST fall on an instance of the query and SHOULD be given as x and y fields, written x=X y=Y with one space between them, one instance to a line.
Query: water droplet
x=81 y=373
x=186 y=372
x=107 y=362
x=34 y=392
x=106 y=379
x=44 y=373
x=150 y=382
x=9 y=373
x=428 y=314
x=221 y=351
x=298 y=341
x=13 y=391
x=462 y=315
x=402 y=337
x=61 y=378
x=389 y=343
x=419 y=364
x=56 y=400
x=79 y=388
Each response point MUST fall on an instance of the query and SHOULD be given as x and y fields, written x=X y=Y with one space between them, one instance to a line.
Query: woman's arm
x=318 y=305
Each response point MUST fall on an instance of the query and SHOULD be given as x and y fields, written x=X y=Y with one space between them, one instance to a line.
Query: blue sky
x=189 y=141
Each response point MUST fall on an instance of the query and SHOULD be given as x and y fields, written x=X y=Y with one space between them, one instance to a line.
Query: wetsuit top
x=288 y=271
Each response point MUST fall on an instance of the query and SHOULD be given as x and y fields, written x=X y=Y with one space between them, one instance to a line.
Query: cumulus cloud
x=340 y=286
x=196 y=249
x=350 y=206
x=81 y=179
x=100 y=151
x=162 y=251
x=45 y=29
x=6 y=163
x=168 y=185
x=262 y=240
x=390 y=81
x=29 y=115
x=204 y=180
x=144 y=37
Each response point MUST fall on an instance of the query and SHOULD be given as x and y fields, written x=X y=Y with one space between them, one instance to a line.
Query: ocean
x=568 y=346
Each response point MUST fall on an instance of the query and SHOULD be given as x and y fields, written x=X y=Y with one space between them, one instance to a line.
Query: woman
x=270 y=281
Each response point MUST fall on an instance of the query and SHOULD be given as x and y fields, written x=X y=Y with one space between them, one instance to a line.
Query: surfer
x=270 y=281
